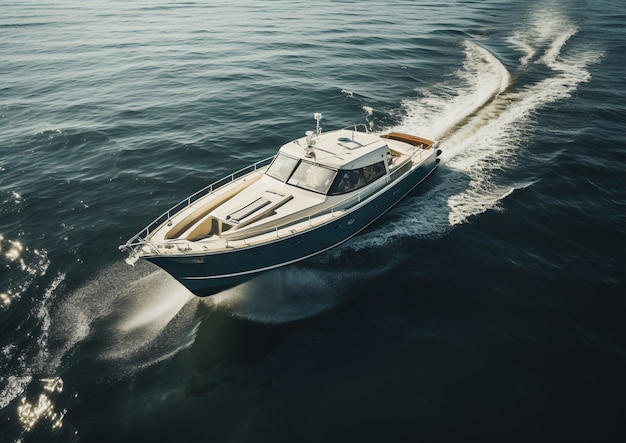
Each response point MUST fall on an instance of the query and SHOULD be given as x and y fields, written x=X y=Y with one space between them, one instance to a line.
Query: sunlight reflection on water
x=43 y=409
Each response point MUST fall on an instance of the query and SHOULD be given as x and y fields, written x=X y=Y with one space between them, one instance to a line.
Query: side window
x=350 y=180
x=346 y=181
x=374 y=172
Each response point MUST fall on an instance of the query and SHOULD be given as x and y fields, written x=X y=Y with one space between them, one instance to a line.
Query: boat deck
x=213 y=220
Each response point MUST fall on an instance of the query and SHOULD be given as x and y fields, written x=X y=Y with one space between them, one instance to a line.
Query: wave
x=132 y=318
x=22 y=365
x=555 y=31
x=127 y=311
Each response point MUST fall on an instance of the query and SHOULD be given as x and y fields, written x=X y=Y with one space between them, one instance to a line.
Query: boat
x=314 y=194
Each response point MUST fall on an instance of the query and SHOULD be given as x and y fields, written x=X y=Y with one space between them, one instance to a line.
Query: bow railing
x=140 y=238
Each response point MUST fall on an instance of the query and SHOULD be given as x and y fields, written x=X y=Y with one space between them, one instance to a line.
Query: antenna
x=318 y=117
x=310 y=136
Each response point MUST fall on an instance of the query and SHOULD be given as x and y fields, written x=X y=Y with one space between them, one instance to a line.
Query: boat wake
x=131 y=321
x=289 y=294
x=280 y=296
x=483 y=119
x=120 y=326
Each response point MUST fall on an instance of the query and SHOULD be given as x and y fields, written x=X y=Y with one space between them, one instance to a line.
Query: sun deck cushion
x=247 y=210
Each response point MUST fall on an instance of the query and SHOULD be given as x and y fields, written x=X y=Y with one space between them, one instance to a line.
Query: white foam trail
x=14 y=386
x=481 y=124
x=142 y=319
x=518 y=40
x=554 y=32
x=482 y=78
x=127 y=310
x=550 y=57
x=153 y=314
x=458 y=117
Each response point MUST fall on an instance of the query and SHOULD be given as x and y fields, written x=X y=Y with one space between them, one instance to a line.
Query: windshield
x=282 y=167
x=313 y=177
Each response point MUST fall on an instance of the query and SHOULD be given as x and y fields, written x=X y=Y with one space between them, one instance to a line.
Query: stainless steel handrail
x=183 y=246
x=166 y=216
x=355 y=127
x=138 y=241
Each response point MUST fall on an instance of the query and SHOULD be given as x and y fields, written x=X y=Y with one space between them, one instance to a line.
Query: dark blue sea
x=489 y=306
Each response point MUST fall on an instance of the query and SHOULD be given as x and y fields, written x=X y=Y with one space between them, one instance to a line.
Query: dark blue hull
x=213 y=272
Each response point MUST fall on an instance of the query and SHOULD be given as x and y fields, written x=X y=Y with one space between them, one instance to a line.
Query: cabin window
x=348 y=180
x=282 y=167
x=313 y=177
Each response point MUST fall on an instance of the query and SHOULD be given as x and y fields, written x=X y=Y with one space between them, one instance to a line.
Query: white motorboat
x=317 y=192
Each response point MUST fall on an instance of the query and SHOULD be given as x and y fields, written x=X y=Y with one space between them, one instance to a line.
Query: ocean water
x=488 y=306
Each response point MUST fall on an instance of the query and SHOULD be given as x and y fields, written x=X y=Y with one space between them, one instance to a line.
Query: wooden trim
x=410 y=139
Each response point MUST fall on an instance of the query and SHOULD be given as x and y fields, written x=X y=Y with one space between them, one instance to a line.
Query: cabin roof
x=342 y=149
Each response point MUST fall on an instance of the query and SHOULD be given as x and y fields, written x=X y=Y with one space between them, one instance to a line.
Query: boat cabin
x=310 y=173
x=333 y=163
x=307 y=176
